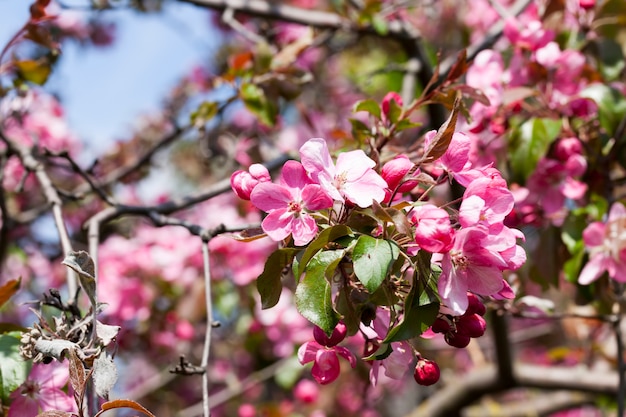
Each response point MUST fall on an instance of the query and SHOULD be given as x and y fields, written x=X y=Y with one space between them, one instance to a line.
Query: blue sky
x=105 y=89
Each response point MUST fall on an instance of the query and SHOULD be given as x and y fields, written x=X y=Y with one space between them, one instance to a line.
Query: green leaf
x=257 y=102
x=330 y=234
x=394 y=111
x=405 y=124
x=13 y=368
x=380 y=24
x=205 y=112
x=414 y=322
x=313 y=293
x=372 y=259
x=611 y=105
x=368 y=105
x=360 y=131
x=530 y=142
x=269 y=283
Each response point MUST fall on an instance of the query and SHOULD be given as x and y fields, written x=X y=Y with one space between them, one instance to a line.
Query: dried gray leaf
x=106 y=332
x=56 y=348
x=84 y=266
x=104 y=375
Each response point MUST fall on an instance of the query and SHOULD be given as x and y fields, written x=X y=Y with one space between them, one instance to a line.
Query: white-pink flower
x=606 y=243
x=288 y=205
x=352 y=178
x=42 y=391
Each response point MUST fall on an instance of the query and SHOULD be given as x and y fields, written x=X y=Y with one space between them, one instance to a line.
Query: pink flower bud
x=339 y=333
x=385 y=104
x=243 y=182
x=474 y=305
x=393 y=173
x=587 y=4
x=426 y=372
x=457 y=340
x=471 y=325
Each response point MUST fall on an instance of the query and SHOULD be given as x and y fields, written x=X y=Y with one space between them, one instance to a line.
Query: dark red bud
x=441 y=326
x=339 y=333
x=471 y=325
x=426 y=372
x=457 y=340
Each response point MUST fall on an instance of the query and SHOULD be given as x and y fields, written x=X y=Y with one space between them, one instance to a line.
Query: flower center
x=31 y=389
x=295 y=207
x=340 y=180
x=459 y=260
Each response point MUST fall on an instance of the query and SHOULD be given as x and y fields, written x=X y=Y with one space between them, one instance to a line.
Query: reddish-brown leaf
x=8 y=289
x=77 y=377
x=441 y=141
x=110 y=405
x=459 y=68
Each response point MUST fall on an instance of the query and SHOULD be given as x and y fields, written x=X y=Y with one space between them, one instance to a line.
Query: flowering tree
x=370 y=188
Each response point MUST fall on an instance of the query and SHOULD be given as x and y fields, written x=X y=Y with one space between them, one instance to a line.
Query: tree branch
x=52 y=196
x=315 y=18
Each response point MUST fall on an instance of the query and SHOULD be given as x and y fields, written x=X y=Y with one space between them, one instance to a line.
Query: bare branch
x=52 y=196
x=315 y=18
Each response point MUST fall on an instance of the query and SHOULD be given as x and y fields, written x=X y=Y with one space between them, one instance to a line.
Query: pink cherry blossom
x=470 y=266
x=288 y=204
x=326 y=367
x=42 y=391
x=486 y=201
x=352 y=178
x=606 y=243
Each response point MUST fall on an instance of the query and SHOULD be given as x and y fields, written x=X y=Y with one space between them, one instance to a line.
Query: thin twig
x=33 y=165
x=206 y=401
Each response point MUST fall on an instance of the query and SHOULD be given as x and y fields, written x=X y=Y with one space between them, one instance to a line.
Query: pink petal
x=315 y=198
x=593 y=235
x=303 y=229
x=346 y=354
x=268 y=196
x=594 y=268
x=307 y=352
x=293 y=175
x=353 y=165
x=326 y=367
x=278 y=224
x=316 y=158
x=370 y=187
x=453 y=289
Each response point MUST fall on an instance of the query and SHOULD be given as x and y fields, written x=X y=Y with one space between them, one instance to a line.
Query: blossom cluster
x=468 y=245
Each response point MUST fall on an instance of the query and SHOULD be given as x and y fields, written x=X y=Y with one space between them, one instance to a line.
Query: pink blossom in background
x=352 y=178
x=283 y=325
x=288 y=205
x=42 y=391
x=306 y=391
x=397 y=365
x=606 y=244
